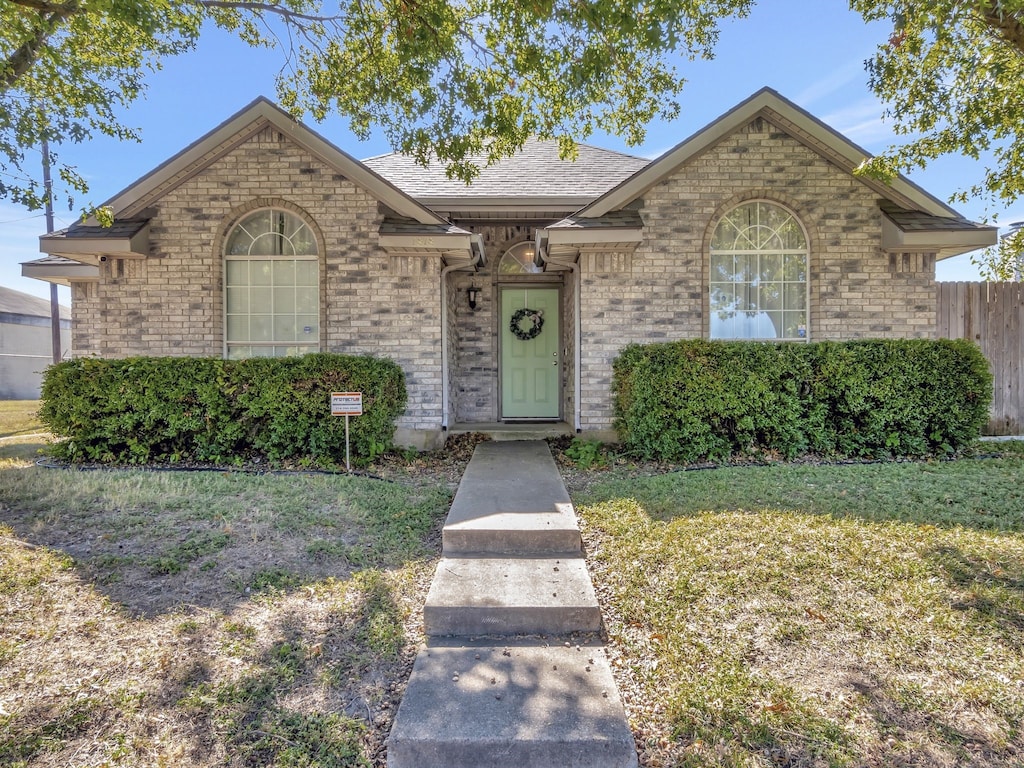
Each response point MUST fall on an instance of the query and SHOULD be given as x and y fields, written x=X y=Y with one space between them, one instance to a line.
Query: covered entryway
x=529 y=356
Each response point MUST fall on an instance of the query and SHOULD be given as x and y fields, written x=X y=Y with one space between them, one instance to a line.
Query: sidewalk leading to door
x=514 y=672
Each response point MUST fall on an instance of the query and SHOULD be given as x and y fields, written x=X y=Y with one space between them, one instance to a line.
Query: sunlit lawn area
x=18 y=417
x=817 y=615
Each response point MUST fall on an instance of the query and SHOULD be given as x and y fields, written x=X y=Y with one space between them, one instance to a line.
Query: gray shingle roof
x=397 y=226
x=120 y=229
x=536 y=171
x=625 y=218
x=17 y=303
x=918 y=221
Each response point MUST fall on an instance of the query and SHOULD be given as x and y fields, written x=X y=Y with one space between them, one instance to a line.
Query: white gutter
x=542 y=254
x=475 y=264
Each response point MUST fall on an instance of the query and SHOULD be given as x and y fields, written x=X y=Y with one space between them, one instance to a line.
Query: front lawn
x=195 y=619
x=791 y=615
x=816 y=616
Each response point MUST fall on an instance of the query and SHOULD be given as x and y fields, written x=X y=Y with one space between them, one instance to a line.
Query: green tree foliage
x=1006 y=260
x=952 y=77
x=469 y=81
x=66 y=70
x=441 y=79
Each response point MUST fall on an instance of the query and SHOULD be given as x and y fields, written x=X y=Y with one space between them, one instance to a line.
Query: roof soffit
x=944 y=242
x=58 y=270
x=243 y=126
x=787 y=117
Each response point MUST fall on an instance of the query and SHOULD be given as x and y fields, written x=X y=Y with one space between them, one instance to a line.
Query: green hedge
x=146 y=409
x=695 y=400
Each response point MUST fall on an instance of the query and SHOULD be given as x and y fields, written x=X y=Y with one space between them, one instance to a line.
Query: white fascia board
x=410 y=242
x=944 y=243
x=582 y=236
x=63 y=274
x=133 y=247
x=262 y=110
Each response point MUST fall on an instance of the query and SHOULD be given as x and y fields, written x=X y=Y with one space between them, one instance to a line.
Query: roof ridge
x=619 y=153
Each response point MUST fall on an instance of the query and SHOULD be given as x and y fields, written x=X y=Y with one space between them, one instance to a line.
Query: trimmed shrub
x=146 y=409
x=694 y=400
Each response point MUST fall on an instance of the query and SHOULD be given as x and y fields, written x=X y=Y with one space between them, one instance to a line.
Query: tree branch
x=1009 y=26
x=42 y=6
x=21 y=61
x=285 y=13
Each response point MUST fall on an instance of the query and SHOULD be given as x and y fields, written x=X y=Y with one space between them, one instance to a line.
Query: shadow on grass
x=186 y=619
x=156 y=541
x=990 y=590
x=911 y=732
x=314 y=687
x=886 y=601
x=305 y=676
x=22 y=448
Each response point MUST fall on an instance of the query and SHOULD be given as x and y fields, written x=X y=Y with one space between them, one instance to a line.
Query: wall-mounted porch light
x=474 y=296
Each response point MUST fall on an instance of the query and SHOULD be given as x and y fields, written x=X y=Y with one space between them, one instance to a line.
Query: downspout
x=477 y=248
x=543 y=256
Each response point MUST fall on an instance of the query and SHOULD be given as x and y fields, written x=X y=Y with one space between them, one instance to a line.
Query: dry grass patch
x=197 y=619
x=816 y=616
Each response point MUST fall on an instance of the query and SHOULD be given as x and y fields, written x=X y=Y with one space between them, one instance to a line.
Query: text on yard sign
x=346 y=403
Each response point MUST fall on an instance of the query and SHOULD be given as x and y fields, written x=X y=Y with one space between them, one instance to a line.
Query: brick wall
x=172 y=302
x=659 y=292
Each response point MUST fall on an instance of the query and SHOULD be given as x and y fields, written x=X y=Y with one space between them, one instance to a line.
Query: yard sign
x=347 y=404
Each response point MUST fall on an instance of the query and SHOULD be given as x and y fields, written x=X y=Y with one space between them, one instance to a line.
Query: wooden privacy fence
x=992 y=315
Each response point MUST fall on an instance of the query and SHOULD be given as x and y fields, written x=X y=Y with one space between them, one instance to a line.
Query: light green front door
x=530 y=367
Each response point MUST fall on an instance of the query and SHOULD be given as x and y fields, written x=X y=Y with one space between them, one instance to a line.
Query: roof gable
x=239 y=128
x=791 y=119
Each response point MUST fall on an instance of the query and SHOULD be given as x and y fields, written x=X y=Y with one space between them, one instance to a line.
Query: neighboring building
x=510 y=298
x=26 y=346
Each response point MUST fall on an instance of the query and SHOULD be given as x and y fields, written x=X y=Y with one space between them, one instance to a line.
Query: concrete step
x=511 y=596
x=498 y=430
x=480 y=706
x=511 y=500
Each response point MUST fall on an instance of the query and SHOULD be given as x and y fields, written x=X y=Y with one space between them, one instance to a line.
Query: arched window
x=518 y=260
x=272 y=286
x=758 y=279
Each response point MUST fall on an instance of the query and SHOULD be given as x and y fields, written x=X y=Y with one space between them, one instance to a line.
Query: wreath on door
x=536 y=317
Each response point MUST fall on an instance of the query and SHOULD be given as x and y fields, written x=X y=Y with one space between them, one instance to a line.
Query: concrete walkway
x=514 y=673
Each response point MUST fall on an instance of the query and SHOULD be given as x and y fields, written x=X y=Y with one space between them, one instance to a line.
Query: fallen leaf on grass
x=814 y=614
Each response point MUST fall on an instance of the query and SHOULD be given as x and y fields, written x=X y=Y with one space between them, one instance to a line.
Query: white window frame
x=759 y=252
x=303 y=347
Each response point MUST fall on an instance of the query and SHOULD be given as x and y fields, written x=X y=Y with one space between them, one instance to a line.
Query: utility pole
x=54 y=302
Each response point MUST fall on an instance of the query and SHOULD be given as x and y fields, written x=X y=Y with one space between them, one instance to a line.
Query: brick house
x=508 y=299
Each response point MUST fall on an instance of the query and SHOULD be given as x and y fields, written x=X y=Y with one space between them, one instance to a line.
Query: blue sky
x=811 y=51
